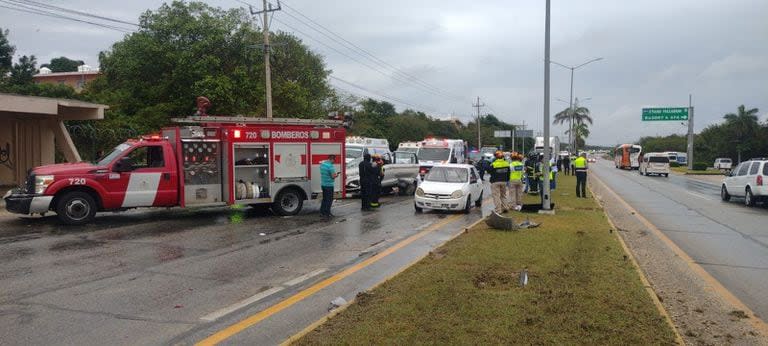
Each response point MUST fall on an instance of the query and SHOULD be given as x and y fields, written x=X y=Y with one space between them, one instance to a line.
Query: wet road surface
x=178 y=276
x=729 y=240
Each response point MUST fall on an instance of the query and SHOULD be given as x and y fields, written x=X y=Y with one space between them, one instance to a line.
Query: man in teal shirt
x=327 y=178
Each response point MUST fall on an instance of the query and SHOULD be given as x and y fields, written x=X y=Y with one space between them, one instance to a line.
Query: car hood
x=441 y=188
x=64 y=168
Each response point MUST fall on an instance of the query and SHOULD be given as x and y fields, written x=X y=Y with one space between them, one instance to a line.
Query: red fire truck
x=205 y=161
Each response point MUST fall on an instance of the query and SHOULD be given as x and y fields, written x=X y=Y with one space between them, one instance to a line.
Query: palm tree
x=744 y=123
x=580 y=134
x=574 y=116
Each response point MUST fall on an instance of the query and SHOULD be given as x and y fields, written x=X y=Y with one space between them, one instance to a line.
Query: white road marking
x=698 y=195
x=241 y=304
x=304 y=277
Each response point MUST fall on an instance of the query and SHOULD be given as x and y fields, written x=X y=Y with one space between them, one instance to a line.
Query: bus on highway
x=627 y=156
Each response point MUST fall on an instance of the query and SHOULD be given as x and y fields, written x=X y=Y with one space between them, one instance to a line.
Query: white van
x=654 y=163
x=434 y=151
x=355 y=148
x=723 y=163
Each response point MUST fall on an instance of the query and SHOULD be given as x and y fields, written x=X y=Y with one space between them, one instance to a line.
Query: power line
x=365 y=53
x=62 y=9
x=379 y=94
x=21 y=8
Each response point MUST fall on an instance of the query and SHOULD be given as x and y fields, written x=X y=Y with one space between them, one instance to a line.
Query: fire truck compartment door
x=290 y=160
x=320 y=152
x=141 y=190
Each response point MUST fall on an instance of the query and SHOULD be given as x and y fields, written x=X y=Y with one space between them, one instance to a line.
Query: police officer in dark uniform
x=365 y=169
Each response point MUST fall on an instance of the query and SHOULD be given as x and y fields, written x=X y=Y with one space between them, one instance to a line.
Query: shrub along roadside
x=581 y=289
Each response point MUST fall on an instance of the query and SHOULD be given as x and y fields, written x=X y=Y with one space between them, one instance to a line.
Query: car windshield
x=660 y=159
x=447 y=175
x=434 y=154
x=725 y=160
x=114 y=154
x=353 y=153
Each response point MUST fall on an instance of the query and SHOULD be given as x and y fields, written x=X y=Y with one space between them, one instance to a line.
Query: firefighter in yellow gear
x=516 y=181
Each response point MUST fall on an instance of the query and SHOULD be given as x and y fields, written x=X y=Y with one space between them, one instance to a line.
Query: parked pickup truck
x=402 y=172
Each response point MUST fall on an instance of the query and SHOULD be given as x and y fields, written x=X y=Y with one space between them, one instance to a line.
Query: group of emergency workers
x=511 y=178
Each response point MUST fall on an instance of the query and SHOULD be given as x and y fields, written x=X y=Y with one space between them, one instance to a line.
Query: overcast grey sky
x=655 y=53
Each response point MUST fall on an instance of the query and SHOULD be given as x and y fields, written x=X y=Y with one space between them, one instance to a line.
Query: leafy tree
x=6 y=53
x=63 y=64
x=22 y=71
x=662 y=144
x=188 y=49
x=580 y=134
x=574 y=116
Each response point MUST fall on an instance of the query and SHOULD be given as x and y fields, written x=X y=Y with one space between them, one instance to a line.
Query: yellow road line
x=644 y=280
x=335 y=312
x=238 y=327
x=716 y=286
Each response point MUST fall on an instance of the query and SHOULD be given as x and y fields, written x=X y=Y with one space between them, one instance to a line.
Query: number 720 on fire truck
x=214 y=161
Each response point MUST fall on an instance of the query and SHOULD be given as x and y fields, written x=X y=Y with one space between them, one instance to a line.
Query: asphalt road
x=729 y=240
x=179 y=276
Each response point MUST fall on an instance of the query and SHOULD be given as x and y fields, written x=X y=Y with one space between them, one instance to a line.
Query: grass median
x=582 y=289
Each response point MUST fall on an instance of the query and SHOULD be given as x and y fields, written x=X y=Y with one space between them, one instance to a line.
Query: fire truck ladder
x=252 y=120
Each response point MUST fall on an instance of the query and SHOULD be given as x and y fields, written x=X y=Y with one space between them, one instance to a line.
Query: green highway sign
x=665 y=114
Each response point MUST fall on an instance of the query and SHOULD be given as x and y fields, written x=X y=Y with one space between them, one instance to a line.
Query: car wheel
x=417 y=208
x=409 y=190
x=479 y=202
x=76 y=208
x=749 y=199
x=468 y=205
x=288 y=202
x=724 y=195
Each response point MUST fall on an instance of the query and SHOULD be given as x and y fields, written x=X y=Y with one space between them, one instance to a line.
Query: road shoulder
x=699 y=312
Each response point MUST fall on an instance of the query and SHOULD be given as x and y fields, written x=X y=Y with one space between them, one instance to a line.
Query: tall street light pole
x=545 y=200
x=570 y=106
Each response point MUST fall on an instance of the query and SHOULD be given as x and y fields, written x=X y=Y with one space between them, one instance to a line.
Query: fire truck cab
x=216 y=161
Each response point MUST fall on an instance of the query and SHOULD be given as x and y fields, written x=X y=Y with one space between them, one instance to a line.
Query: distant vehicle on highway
x=433 y=151
x=723 y=163
x=627 y=156
x=654 y=163
x=674 y=156
x=747 y=180
x=450 y=187
x=408 y=146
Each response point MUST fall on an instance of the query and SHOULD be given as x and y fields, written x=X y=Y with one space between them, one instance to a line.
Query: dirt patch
x=78 y=244
x=496 y=279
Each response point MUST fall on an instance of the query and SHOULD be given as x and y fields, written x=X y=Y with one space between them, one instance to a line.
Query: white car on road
x=450 y=187
x=654 y=163
x=749 y=180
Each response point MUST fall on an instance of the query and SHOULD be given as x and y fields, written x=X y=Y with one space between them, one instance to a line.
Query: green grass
x=582 y=289
x=685 y=170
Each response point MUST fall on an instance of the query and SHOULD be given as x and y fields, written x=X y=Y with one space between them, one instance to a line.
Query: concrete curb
x=646 y=284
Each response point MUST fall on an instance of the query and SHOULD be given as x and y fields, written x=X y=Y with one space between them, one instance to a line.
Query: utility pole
x=267 y=70
x=478 y=105
x=545 y=200
x=690 y=132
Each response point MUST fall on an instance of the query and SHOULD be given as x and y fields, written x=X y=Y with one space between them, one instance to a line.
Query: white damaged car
x=450 y=187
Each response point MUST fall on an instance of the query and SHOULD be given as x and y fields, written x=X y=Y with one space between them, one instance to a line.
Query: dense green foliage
x=63 y=64
x=6 y=53
x=381 y=120
x=661 y=144
x=580 y=116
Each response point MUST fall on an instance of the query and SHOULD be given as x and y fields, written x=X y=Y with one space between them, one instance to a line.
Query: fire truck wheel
x=76 y=208
x=288 y=202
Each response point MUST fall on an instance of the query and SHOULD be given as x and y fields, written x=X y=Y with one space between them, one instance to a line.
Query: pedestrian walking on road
x=364 y=169
x=580 y=169
x=499 y=179
x=328 y=176
x=516 y=181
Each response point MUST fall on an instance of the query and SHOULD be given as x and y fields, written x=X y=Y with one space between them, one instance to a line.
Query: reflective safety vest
x=580 y=163
x=500 y=171
x=517 y=171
